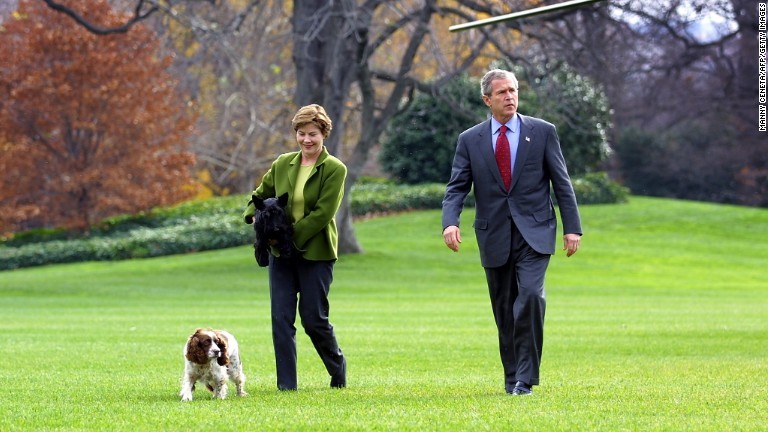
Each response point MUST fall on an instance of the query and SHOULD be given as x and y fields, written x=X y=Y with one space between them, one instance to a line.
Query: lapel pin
x=528 y=139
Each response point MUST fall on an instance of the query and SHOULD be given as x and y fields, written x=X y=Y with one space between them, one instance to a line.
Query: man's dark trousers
x=518 y=301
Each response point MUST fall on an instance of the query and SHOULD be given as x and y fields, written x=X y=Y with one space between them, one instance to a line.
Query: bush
x=215 y=224
x=576 y=105
x=38 y=235
x=597 y=188
x=420 y=142
x=195 y=234
x=377 y=198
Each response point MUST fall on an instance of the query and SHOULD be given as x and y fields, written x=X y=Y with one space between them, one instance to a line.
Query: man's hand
x=571 y=243
x=452 y=237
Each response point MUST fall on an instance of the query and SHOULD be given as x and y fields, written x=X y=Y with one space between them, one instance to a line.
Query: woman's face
x=310 y=140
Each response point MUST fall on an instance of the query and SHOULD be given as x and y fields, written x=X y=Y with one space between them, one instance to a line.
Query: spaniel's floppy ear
x=195 y=352
x=221 y=341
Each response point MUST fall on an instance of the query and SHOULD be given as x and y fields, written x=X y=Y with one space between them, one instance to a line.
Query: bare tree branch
x=139 y=14
x=146 y=8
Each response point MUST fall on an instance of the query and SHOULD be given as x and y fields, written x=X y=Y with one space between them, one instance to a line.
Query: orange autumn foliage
x=90 y=126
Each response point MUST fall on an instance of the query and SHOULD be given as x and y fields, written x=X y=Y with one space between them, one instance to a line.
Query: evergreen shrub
x=215 y=223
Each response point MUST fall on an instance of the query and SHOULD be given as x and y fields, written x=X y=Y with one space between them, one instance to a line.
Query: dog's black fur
x=273 y=228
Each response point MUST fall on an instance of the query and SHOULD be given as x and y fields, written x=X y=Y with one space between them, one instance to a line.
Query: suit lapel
x=523 y=145
x=486 y=149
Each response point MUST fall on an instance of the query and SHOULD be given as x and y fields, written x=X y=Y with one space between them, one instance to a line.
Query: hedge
x=215 y=224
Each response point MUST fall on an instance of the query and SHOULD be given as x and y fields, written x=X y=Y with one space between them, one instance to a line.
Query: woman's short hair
x=314 y=114
x=485 y=84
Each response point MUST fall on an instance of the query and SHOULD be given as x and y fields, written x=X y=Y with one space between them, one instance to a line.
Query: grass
x=658 y=323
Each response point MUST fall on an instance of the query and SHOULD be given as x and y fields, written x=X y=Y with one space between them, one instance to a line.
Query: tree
x=90 y=126
x=344 y=61
x=576 y=105
x=364 y=59
x=237 y=64
x=420 y=141
x=669 y=68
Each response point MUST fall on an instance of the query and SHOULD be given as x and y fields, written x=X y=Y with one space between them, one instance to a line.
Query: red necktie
x=502 y=156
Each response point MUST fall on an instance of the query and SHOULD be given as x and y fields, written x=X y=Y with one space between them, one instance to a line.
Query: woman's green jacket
x=315 y=235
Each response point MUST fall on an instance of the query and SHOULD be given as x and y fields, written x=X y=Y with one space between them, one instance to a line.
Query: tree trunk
x=324 y=75
x=329 y=59
x=347 y=238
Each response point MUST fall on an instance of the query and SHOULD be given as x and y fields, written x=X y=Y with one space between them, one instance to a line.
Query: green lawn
x=660 y=322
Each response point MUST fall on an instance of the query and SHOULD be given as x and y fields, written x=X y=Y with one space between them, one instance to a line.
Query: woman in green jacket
x=314 y=181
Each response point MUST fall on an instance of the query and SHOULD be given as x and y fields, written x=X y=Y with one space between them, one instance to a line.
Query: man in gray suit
x=512 y=160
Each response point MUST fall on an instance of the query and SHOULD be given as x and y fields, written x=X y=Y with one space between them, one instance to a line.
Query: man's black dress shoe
x=339 y=380
x=521 y=389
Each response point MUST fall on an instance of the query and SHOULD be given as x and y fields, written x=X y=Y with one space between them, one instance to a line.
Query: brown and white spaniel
x=212 y=357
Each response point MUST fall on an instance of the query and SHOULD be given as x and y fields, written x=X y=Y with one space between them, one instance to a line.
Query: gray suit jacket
x=539 y=163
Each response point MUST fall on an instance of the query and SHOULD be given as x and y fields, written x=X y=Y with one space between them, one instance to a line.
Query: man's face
x=502 y=100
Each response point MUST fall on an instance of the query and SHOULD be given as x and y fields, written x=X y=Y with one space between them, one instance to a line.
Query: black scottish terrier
x=273 y=228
